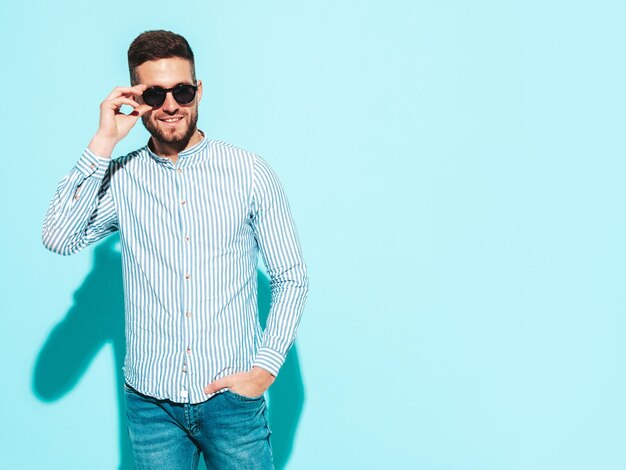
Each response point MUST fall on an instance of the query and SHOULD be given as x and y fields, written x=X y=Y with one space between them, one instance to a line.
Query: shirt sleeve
x=280 y=250
x=82 y=210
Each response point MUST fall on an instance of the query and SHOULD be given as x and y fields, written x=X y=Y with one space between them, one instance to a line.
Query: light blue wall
x=456 y=173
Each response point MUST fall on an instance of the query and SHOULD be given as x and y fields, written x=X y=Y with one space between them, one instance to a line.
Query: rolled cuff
x=92 y=165
x=269 y=360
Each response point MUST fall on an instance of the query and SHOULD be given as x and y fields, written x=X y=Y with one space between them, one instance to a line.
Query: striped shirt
x=190 y=235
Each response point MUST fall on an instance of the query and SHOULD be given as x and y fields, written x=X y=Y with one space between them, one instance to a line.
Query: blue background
x=455 y=170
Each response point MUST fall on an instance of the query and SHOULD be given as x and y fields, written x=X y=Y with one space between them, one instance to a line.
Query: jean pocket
x=243 y=397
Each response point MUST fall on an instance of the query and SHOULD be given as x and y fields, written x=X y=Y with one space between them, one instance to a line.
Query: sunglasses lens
x=154 y=96
x=184 y=93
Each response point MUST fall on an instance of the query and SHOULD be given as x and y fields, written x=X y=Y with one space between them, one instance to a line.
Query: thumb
x=216 y=385
x=141 y=110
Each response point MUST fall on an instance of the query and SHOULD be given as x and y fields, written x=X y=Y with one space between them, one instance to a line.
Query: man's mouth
x=171 y=120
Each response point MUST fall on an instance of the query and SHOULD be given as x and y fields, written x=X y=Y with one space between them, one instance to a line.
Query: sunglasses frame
x=172 y=91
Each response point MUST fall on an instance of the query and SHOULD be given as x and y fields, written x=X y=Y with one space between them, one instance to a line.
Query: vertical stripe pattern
x=191 y=233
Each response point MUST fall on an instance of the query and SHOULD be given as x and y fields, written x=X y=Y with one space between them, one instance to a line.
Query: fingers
x=141 y=110
x=217 y=385
x=115 y=124
x=128 y=91
x=225 y=382
x=125 y=96
x=116 y=103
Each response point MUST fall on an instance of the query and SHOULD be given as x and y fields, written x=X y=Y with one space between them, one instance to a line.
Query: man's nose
x=169 y=105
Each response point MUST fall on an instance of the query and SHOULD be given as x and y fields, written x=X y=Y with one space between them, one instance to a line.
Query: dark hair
x=159 y=44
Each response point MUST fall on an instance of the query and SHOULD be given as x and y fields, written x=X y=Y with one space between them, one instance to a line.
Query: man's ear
x=199 y=92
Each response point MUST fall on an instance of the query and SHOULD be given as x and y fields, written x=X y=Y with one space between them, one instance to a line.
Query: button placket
x=185 y=266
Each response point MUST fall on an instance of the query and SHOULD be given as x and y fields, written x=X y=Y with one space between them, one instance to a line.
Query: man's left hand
x=250 y=384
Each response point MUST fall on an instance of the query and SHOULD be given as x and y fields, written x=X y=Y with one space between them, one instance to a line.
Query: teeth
x=172 y=120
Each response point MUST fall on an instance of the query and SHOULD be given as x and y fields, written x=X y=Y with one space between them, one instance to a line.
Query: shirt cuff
x=269 y=360
x=90 y=164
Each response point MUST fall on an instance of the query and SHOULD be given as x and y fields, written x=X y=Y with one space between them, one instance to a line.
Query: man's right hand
x=115 y=125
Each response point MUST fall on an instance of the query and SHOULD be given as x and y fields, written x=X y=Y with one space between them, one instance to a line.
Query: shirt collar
x=185 y=154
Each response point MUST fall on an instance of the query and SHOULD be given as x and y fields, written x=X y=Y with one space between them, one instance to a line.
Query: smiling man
x=193 y=216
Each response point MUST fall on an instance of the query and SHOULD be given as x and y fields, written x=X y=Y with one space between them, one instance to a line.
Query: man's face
x=171 y=123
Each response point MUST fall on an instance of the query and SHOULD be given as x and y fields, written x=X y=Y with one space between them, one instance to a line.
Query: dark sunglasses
x=182 y=93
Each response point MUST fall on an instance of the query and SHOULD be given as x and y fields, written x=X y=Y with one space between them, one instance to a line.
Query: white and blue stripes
x=190 y=235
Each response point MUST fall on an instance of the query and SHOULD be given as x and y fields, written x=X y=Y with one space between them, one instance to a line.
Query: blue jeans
x=230 y=431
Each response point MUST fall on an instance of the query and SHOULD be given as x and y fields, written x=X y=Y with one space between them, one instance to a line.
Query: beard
x=176 y=139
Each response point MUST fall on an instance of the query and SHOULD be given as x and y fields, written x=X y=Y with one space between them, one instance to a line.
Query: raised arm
x=82 y=211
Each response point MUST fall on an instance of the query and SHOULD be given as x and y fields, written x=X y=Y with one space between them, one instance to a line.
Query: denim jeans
x=230 y=431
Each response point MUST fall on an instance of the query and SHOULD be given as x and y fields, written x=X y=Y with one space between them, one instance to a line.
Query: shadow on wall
x=97 y=318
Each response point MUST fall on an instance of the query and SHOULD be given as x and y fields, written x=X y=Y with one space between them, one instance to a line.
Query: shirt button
x=186 y=238
x=187 y=276
x=179 y=170
x=92 y=166
x=183 y=202
x=188 y=314
x=76 y=197
x=184 y=368
x=188 y=351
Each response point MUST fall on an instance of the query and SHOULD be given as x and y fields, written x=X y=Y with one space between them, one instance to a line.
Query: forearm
x=81 y=211
x=102 y=145
x=280 y=249
x=289 y=292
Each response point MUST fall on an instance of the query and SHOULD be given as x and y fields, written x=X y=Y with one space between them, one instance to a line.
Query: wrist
x=262 y=376
x=102 y=146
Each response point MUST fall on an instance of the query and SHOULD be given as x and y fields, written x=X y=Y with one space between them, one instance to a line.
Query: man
x=193 y=214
